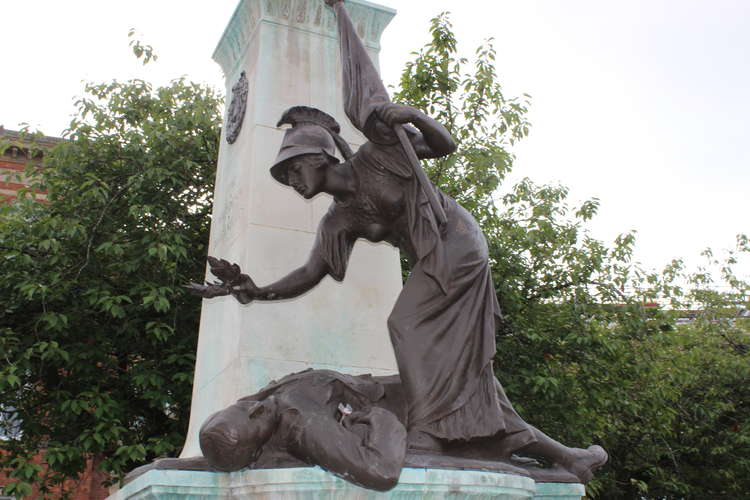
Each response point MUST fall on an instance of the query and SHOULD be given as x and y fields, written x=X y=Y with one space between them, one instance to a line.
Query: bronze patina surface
x=446 y=409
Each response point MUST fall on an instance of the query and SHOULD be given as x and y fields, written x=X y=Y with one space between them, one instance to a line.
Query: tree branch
x=99 y=221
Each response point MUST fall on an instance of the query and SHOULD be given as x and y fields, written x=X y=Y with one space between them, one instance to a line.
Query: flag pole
x=422 y=179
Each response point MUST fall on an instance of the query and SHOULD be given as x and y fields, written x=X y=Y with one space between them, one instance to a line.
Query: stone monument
x=441 y=426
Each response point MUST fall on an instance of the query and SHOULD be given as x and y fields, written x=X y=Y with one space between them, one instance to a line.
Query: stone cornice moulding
x=308 y=15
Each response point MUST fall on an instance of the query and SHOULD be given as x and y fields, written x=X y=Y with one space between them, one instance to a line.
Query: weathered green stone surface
x=316 y=484
x=559 y=491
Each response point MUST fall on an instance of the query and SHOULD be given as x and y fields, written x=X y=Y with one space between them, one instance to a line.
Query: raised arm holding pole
x=364 y=93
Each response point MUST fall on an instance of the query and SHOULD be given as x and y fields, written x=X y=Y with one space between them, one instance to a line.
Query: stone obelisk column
x=288 y=50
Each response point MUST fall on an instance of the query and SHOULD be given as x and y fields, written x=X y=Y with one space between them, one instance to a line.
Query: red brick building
x=88 y=486
x=17 y=151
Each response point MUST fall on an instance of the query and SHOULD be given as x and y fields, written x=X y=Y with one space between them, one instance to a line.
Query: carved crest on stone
x=236 y=113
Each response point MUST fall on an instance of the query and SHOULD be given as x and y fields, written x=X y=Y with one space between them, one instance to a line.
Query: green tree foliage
x=97 y=339
x=580 y=352
x=474 y=108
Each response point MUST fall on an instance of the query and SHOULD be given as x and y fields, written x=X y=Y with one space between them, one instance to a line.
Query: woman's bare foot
x=583 y=463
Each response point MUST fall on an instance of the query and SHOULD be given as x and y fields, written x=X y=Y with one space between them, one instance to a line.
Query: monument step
x=312 y=483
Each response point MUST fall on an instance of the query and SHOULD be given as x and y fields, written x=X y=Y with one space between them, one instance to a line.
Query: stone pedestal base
x=316 y=484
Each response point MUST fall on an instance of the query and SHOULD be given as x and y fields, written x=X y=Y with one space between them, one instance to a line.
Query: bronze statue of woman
x=443 y=325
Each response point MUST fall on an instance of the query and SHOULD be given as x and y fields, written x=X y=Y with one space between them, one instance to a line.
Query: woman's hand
x=246 y=291
x=231 y=282
x=393 y=114
x=209 y=290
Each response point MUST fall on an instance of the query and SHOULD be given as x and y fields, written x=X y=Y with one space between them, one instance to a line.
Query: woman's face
x=307 y=174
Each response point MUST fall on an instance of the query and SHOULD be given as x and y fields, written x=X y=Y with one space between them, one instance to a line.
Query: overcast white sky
x=642 y=103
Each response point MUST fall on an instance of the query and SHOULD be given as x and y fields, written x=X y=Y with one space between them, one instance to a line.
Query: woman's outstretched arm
x=329 y=256
x=242 y=287
x=292 y=285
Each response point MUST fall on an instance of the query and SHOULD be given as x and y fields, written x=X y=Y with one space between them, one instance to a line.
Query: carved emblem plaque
x=236 y=114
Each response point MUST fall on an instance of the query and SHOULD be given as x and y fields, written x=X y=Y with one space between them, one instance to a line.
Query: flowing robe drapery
x=443 y=325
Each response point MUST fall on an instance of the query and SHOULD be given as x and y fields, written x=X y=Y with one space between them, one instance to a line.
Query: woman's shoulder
x=381 y=159
x=337 y=222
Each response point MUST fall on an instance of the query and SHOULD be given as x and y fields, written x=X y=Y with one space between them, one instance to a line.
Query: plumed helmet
x=312 y=132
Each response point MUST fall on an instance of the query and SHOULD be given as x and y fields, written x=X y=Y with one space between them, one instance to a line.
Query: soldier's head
x=233 y=438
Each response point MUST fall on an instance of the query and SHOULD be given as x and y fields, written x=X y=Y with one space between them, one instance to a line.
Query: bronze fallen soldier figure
x=351 y=426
